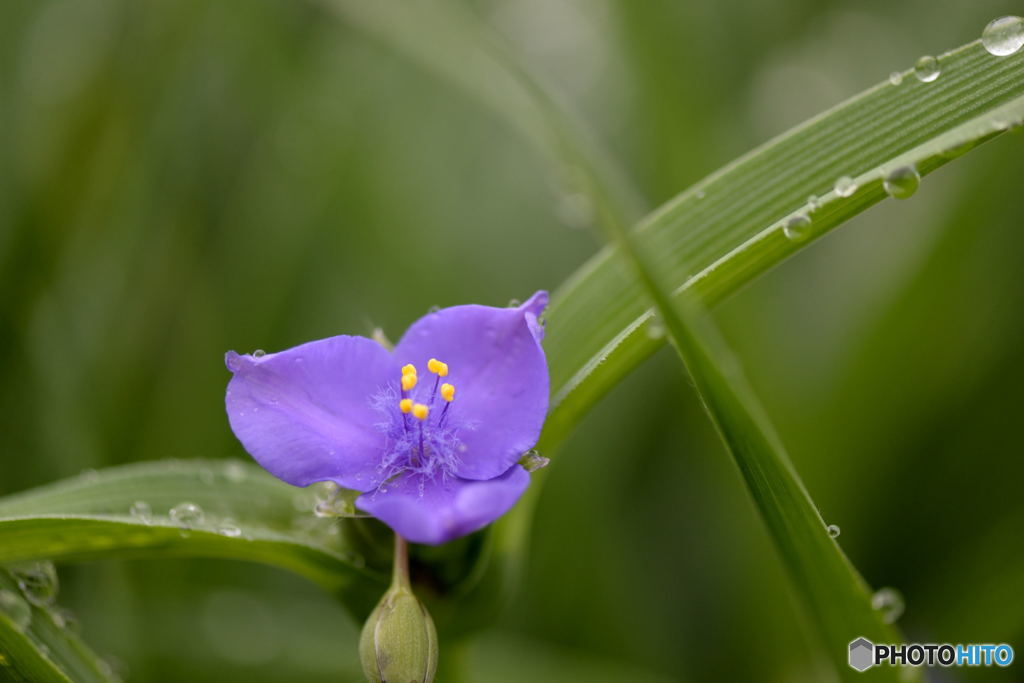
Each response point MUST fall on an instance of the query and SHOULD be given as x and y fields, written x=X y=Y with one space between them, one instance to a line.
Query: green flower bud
x=399 y=641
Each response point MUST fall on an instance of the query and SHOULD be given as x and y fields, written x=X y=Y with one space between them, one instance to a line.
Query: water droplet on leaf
x=895 y=78
x=324 y=489
x=187 y=515
x=1009 y=124
x=329 y=500
x=845 y=186
x=1003 y=36
x=655 y=328
x=813 y=203
x=38 y=582
x=234 y=471
x=228 y=528
x=833 y=530
x=797 y=228
x=889 y=602
x=927 y=69
x=141 y=511
x=902 y=182
x=16 y=609
x=532 y=461
x=339 y=507
x=65 y=619
x=109 y=670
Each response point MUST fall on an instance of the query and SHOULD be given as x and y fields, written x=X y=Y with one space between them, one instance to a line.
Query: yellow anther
x=405 y=405
x=448 y=392
x=436 y=366
x=408 y=381
x=409 y=369
x=420 y=411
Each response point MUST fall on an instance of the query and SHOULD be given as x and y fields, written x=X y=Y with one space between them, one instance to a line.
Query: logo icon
x=862 y=654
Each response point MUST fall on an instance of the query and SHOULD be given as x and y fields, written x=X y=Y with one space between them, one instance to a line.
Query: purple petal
x=500 y=374
x=440 y=511
x=305 y=414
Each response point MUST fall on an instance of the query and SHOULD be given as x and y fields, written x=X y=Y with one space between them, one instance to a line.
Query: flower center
x=421 y=429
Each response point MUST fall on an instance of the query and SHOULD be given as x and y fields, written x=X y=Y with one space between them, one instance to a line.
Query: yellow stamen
x=409 y=369
x=420 y=411
x=408 y=381
x=436 y=366
x=448 y=392
x=405 y=405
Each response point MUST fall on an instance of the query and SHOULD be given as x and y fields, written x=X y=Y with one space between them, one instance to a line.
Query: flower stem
x=400 y=572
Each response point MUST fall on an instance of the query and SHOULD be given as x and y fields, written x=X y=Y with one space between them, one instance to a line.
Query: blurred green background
x=179 y=178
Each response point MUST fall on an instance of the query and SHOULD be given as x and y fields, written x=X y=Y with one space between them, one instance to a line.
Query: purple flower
x=431 y=433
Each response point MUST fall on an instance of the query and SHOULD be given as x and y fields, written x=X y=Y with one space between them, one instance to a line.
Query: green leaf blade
x=725 y=231
x=836 y=598
x=248 y=516
x=35 y=649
